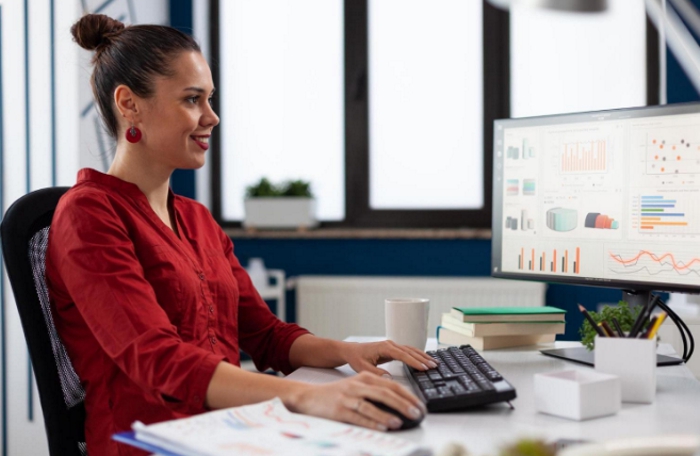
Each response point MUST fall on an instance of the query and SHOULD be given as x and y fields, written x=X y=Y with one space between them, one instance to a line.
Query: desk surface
x=675 y=411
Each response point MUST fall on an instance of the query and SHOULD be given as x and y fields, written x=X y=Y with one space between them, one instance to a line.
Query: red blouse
x=146 y=315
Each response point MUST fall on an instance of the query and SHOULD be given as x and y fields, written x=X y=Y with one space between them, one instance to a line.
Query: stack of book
x=486 y=328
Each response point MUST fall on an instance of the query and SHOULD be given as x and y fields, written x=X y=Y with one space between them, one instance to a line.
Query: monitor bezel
x=497 y=213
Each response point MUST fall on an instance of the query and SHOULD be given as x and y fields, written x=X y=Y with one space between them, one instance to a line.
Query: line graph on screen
x=645 y=263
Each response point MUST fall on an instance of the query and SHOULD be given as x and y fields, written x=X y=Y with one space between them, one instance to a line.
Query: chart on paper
x=268 y=428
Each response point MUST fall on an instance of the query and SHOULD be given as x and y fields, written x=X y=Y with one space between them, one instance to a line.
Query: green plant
x=298 y=188
x=262 y=189
x=529 y=447
x=621 y=312
x=265 y=188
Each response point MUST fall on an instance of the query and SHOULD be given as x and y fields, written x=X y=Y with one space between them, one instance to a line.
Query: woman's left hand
x=366 y=356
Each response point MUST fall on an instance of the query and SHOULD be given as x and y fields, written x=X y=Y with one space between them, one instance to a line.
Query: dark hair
x=132 y=56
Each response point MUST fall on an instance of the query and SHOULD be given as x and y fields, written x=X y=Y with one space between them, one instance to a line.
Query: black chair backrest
x=24 y=233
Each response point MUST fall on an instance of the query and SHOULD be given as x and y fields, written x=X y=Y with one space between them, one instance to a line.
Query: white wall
x=200 y=25
x=39 y=149
x=47 y=132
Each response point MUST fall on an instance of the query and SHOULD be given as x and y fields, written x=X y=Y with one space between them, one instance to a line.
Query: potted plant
x=285 y=206
x=622 y=313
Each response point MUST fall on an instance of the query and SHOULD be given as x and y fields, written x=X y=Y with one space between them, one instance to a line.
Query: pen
x=657 y=324
x=608 y=330
x=618 y=328
x=591 y=321
x=645 y=333
x=641 y=318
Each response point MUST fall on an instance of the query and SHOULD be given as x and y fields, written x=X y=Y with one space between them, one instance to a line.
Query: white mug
x=407 y=321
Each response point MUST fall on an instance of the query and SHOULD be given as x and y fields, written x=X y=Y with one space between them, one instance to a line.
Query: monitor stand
x=636 y=297
x=582 y=355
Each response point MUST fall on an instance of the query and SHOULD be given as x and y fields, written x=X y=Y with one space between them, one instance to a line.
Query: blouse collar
x=122 y=186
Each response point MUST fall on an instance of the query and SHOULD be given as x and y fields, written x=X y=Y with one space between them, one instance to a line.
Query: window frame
x=496 y=105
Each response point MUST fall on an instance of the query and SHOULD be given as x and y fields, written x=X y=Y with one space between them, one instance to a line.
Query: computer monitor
x=608 y=198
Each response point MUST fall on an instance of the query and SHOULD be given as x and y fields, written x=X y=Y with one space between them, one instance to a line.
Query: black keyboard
x=462 y=379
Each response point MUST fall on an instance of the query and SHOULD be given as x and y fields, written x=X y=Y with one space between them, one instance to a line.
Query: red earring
x=133 y=134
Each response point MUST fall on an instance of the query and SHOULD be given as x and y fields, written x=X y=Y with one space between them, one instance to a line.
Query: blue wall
x=182 y=181
x=679 y=88
x=406 y=257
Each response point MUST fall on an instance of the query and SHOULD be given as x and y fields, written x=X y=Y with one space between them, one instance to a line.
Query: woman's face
x=178 y=119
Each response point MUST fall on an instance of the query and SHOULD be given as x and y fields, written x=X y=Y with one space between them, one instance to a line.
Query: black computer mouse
x=406 y=423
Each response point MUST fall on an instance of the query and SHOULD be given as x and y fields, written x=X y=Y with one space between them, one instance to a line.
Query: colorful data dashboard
x=609 y=198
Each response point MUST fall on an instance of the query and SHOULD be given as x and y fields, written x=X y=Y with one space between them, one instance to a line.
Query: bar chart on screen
x=651 y=264
x=551 y=261
x=665 y=213
x=584 y=157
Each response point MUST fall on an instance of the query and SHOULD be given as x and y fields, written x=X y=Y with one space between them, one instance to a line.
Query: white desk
x=675 y=411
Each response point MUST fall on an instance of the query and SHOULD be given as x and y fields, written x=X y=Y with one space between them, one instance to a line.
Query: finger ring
x=357 y=405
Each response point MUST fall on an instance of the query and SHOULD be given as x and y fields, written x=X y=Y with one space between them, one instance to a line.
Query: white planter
x=280 y=212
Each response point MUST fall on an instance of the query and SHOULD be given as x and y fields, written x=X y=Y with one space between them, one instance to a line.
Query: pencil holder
x=633 y=361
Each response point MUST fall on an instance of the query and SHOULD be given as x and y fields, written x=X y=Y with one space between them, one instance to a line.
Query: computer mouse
x=406 y=423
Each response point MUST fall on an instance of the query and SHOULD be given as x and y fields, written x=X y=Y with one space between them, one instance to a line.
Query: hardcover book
x=447 y=337
x=502 y=329
x=501 y=314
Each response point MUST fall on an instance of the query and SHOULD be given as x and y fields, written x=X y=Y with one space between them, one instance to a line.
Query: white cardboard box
x=577 y=394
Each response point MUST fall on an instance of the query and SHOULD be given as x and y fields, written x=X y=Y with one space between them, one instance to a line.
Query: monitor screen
x=608 y=198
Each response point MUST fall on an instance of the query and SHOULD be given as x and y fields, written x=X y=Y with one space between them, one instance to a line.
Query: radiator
x=340 y=306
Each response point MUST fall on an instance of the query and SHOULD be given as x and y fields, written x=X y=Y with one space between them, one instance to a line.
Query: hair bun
x=94 y=30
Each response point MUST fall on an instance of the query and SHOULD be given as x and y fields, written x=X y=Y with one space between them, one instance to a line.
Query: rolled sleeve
x=199 y=383
x=281 y=360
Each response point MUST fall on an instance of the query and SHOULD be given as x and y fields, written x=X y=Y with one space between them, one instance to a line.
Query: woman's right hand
x=347 y=401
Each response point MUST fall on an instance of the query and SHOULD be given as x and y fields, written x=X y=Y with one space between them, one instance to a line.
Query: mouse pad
x=583 y=356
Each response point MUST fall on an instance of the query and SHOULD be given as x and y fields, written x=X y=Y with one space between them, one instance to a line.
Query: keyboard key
x=456 y=387
x=470 y=386
x=445 y=391
x=462 y=379
x=487 y=386
x=431 y=393
x=427 y=384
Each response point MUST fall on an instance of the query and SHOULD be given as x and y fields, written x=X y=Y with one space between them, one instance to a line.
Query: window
x=567 y=62
x=387 y=106
x=282 y=99
x=425 y=105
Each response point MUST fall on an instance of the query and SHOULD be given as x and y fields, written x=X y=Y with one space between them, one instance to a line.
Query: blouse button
x=201 y=276
x=213 y=340
x=211 y=309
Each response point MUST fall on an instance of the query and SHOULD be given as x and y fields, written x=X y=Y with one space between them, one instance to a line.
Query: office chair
x=24 y=233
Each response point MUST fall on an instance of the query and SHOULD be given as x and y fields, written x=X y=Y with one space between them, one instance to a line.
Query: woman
x=147 y=294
